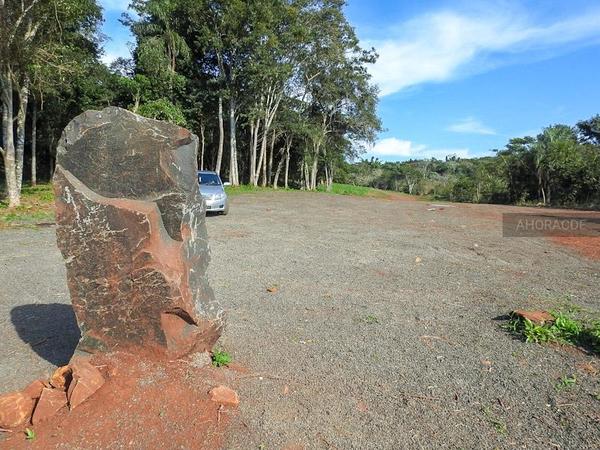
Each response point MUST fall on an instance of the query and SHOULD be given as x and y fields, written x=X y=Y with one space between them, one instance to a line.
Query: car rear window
x=209 y=179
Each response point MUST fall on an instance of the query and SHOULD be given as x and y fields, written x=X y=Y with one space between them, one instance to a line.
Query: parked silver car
x=213 y=192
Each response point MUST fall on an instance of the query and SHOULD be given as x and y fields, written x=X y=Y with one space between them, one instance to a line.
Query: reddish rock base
x=537 y=317
x=143 y=404
x=69 y=386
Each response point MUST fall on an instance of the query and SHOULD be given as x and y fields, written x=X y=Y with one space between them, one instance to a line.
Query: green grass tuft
x=370 y=319
x=336 y=188
x=221 y=358
x=37 y=206
x=249 y=189
x=498 y=424
x=565 y=329
x=350 y=189
x=29 y=434
x=566 y=382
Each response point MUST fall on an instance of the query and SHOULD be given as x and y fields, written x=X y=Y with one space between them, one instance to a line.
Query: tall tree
x=35 y=33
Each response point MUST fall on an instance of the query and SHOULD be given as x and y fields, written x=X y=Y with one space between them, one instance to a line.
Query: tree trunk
x=221 y=137
x=315 y=167
x=136 y=101
x=306 y=175
x=264 y=168
x=329 y=177
x=202 y=143
x=234 y=178
x=287 y=162
x=279 y=167
x=262 y=157
x=271 y=151
x=270 y=102
x=254 y=130
x=8 y=148
x=34 y=112
x=20 y=141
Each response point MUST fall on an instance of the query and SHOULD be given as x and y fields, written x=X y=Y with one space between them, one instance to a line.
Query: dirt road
x=380 y=332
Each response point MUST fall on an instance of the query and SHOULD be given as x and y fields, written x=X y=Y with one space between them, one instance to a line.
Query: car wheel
x=226 y=210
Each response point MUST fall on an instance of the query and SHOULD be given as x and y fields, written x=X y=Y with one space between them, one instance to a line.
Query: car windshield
x=209 y=179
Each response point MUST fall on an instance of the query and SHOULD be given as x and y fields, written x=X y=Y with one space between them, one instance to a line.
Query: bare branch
x=24 y=13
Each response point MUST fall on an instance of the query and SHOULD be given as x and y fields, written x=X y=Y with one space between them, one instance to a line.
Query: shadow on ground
x=50 y=329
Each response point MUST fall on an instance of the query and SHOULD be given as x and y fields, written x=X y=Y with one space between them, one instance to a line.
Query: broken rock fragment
x=537 y=317
x=51 y=401
x=16 y=409
x=34 y=390
x=61 y=378
x=224 y=396
x=87 y=379
x=131 y=230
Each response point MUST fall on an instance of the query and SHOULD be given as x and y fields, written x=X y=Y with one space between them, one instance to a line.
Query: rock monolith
x=130 y=226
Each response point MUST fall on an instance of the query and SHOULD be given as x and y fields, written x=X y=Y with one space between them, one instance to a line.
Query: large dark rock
x=131 y=229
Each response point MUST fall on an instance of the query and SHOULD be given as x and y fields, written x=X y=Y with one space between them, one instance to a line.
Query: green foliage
x=29 y=434
x=349 y=189
x=566 y=382
x=498 y=424
x=294 y=68
x=36 y=207
x=336 y=188
x=163 y=109
x=590 y=337
x=589 y=130
x=540 y=334
x=247 y=189
x=561 y=166
x=371 y=319
x=221 y=358
x=565 y=329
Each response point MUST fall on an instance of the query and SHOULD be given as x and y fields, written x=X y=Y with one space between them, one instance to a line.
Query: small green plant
x=513 y=326
x=539 y=334
x=371 y=319
x=221 y=358
x=498 y=425
x=566 y=382
x=591 y=336
x=29 y=434
x=564 y=329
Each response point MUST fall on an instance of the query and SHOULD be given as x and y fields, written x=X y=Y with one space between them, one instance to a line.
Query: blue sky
x=462 y=77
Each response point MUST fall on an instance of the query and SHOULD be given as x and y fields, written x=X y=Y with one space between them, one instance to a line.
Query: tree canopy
x=559 y=167
x=278 y=92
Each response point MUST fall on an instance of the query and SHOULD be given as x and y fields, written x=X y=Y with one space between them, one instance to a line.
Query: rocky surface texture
x=40 y=401
x=130 y=226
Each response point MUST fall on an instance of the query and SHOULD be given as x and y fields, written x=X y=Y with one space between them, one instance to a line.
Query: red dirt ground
x=585 y=245
x=588 y=246
x=143 y=404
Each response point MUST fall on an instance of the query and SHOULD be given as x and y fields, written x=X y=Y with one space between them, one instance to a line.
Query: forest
x=277 y=90
x=559 y=167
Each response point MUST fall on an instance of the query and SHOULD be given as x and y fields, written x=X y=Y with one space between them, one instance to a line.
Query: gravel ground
x=382 y=331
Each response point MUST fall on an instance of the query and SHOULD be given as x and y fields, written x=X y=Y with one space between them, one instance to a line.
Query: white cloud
x=113 y=49
x=437 y=47
x=396 y=147
x=402 y=149
x=109 y=57
x=470 y=125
